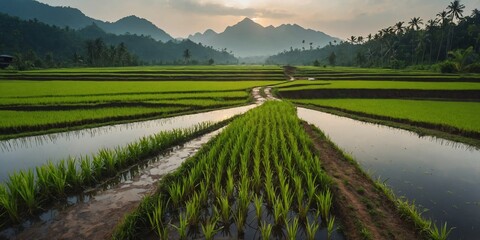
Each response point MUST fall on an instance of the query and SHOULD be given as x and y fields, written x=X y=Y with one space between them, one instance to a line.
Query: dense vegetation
x=258 y=176
x=450 y=36
x=38 y=45
x=27 y=192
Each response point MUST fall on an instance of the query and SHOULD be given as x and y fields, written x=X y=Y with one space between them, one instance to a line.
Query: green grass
x=23 y=119
x=116 y=98
x=65 y=88
x=461 y=115
x=361 y=84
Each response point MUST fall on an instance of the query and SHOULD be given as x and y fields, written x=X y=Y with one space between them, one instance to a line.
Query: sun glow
x=238 y=3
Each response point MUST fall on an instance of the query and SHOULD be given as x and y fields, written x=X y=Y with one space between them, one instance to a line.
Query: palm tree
x=369 y=37
x=460 y=57
x=455 y=11
x=443 y=19
x=352 y=39
x=415 y=23
x=399 y=28
x=360 y=39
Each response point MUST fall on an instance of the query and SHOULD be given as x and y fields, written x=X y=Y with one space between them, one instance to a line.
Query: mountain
x=152 y=51
x=248 y=38
x=74 y=18
x=136 y=25
x=36 y=40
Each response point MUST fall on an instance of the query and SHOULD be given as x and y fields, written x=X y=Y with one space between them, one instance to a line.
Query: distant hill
x=148 y=49
x=248 y=38
x=74 y=18
x=136 y=25
x=36 y=38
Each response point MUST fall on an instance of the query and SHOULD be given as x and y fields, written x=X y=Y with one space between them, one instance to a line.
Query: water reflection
x=440 y=175
x=24 y=153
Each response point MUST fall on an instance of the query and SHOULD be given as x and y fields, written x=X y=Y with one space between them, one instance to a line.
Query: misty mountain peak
x=246 y=23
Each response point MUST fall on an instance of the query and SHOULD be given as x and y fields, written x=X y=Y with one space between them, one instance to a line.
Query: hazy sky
x=340 y=18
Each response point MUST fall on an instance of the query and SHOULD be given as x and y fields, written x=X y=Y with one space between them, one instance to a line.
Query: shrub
x=448 y=67
x=473 y=68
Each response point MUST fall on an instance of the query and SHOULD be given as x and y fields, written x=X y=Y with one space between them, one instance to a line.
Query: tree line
x=450 y=41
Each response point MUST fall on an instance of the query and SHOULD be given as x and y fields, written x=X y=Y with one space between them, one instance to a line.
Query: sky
x=338 y=18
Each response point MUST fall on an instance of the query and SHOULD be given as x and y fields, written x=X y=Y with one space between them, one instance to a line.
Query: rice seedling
x=240 y=220
x=26 y=188
x=440 y=234
x=109 y=162
x=58 y=178
x=74 y=178
x=182 y=226
x=43 y=181
x=203 y=194
x=176 y=193
x=155 y=217
x=229 y=186
x=330 y=227
x=324 y=203
x=279 y=212
x=224 y=212
x=258 y=203
x=9 y=204
x=193 y=210
x=292 y=229
x=412 y=212
x=266 y=230
x=210 y=229
x=311 y=229
x=86 y=170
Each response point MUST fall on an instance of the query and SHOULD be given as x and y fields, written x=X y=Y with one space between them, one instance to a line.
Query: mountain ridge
x=76 y=19
x=248 y=38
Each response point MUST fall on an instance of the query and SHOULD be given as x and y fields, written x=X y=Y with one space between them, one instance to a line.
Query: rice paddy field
x=448 y=103
x=34 y=102
x=266 y=175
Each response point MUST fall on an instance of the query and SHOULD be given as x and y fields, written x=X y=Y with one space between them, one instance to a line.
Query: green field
x=264 y=157
x=365 y=84
x=424 y=101
x=61 y=99
x=462 y=115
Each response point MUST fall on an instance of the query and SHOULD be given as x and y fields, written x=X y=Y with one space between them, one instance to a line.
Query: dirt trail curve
x=358 y=203
x=97 y=218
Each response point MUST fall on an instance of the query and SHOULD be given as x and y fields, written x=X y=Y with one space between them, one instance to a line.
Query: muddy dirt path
x=359 y=205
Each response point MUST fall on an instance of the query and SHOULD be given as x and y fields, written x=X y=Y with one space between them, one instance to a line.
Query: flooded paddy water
x=440 y=175
x=29 y=152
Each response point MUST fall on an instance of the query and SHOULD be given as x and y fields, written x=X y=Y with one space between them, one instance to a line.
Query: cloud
x=222 y=10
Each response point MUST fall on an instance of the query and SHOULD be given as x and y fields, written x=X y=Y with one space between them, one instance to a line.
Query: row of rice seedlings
x=26 y=192
x=262 y=162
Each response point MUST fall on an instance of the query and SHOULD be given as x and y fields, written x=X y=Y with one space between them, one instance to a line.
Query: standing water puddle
x=97 y=215
x=440 y=175
x=29 y=152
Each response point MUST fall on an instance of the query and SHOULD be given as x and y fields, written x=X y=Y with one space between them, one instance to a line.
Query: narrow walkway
x=363 y=209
